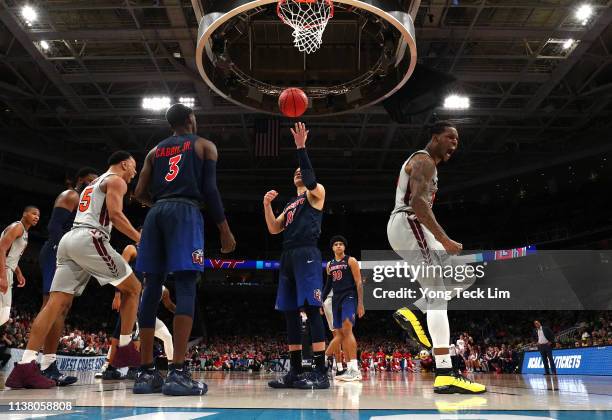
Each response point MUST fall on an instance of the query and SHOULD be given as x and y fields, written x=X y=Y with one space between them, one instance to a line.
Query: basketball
x=292 y=102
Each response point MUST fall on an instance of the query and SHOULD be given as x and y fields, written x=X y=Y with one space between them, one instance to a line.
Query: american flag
x=267 y=135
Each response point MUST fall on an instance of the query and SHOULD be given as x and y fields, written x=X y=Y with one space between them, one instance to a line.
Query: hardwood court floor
x=383 y=395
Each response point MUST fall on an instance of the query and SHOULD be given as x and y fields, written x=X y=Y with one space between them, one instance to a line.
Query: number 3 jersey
x=177 y=169
x=302 y=223
x=91 y=211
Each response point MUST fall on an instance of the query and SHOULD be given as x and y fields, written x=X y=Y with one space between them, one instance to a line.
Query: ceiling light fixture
x=456 y=102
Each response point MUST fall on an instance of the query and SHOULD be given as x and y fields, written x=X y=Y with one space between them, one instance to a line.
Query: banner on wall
x=64 y=363
x=578 y=361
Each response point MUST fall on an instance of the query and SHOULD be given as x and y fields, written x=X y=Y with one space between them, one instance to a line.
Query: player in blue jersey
x=301 y=276
x=347 y=303
x=178 y=175
x=60 y=222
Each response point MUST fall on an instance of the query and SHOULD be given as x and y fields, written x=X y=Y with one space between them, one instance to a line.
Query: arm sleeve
x=59 y=223
x=212 y=198
x=308 y=175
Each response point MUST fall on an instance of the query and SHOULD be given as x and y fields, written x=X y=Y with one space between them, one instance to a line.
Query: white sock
x=439 y=330
x=335 y=364
x=353 y=364
x=47 y=360
x=28 y=356
x=443 y=361
x=124 y=340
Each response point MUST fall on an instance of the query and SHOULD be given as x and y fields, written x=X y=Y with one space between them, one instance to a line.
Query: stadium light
x=584 y=13
x=187 y=101
x=29 y=14
x=156 y=103
x=568 y=44
x=456 y=102
x=45 y=45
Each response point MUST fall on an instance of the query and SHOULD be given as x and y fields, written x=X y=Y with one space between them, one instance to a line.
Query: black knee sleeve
x=294 y=327
x=317 y=328
x=185 y=288
x=147 y=310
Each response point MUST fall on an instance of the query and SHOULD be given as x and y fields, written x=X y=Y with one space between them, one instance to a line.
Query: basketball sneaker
x=99 y=374
x=148 y=381
x=350 y=375
x=409 y=320
x=285 y=381
x=313 y=380
x=111 y=374
x=451 y=382
x=131 y=373
x=127 y=356
x=53 y=373
x=28 y=375
x=179 y=382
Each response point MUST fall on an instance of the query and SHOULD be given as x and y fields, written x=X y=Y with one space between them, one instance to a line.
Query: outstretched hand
x=300 y=134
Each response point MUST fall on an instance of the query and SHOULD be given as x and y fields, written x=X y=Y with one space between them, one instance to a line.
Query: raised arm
x=422 y=170
x=316 y=191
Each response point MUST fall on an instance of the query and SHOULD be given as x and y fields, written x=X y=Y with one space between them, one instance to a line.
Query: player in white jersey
x=415 y=234
x=83 y=252
x=13 y=242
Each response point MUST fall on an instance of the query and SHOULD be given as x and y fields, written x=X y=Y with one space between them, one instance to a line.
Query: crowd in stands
x=74 y=341
x=488 y=343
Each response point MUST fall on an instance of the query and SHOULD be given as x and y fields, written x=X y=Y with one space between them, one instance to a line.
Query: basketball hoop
x=308 y=19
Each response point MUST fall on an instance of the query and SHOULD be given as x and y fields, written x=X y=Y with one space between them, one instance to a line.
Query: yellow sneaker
x=455 y=383
x=409 y=321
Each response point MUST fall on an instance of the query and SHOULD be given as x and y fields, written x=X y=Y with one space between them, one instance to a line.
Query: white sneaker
x=350 y=375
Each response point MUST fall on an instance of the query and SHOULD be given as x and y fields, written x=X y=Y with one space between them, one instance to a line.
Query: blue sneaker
x=285 y=381
x=148 y=381
x=313 y=380
x=52 y=372
x=179 y=382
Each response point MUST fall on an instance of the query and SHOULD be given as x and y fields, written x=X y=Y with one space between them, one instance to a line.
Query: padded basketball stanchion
x=308 y=19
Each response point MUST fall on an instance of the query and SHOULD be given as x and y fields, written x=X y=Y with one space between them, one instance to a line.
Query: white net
x=308 y=19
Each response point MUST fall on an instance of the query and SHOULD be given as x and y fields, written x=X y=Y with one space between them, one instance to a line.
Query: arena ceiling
x=72 y=83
